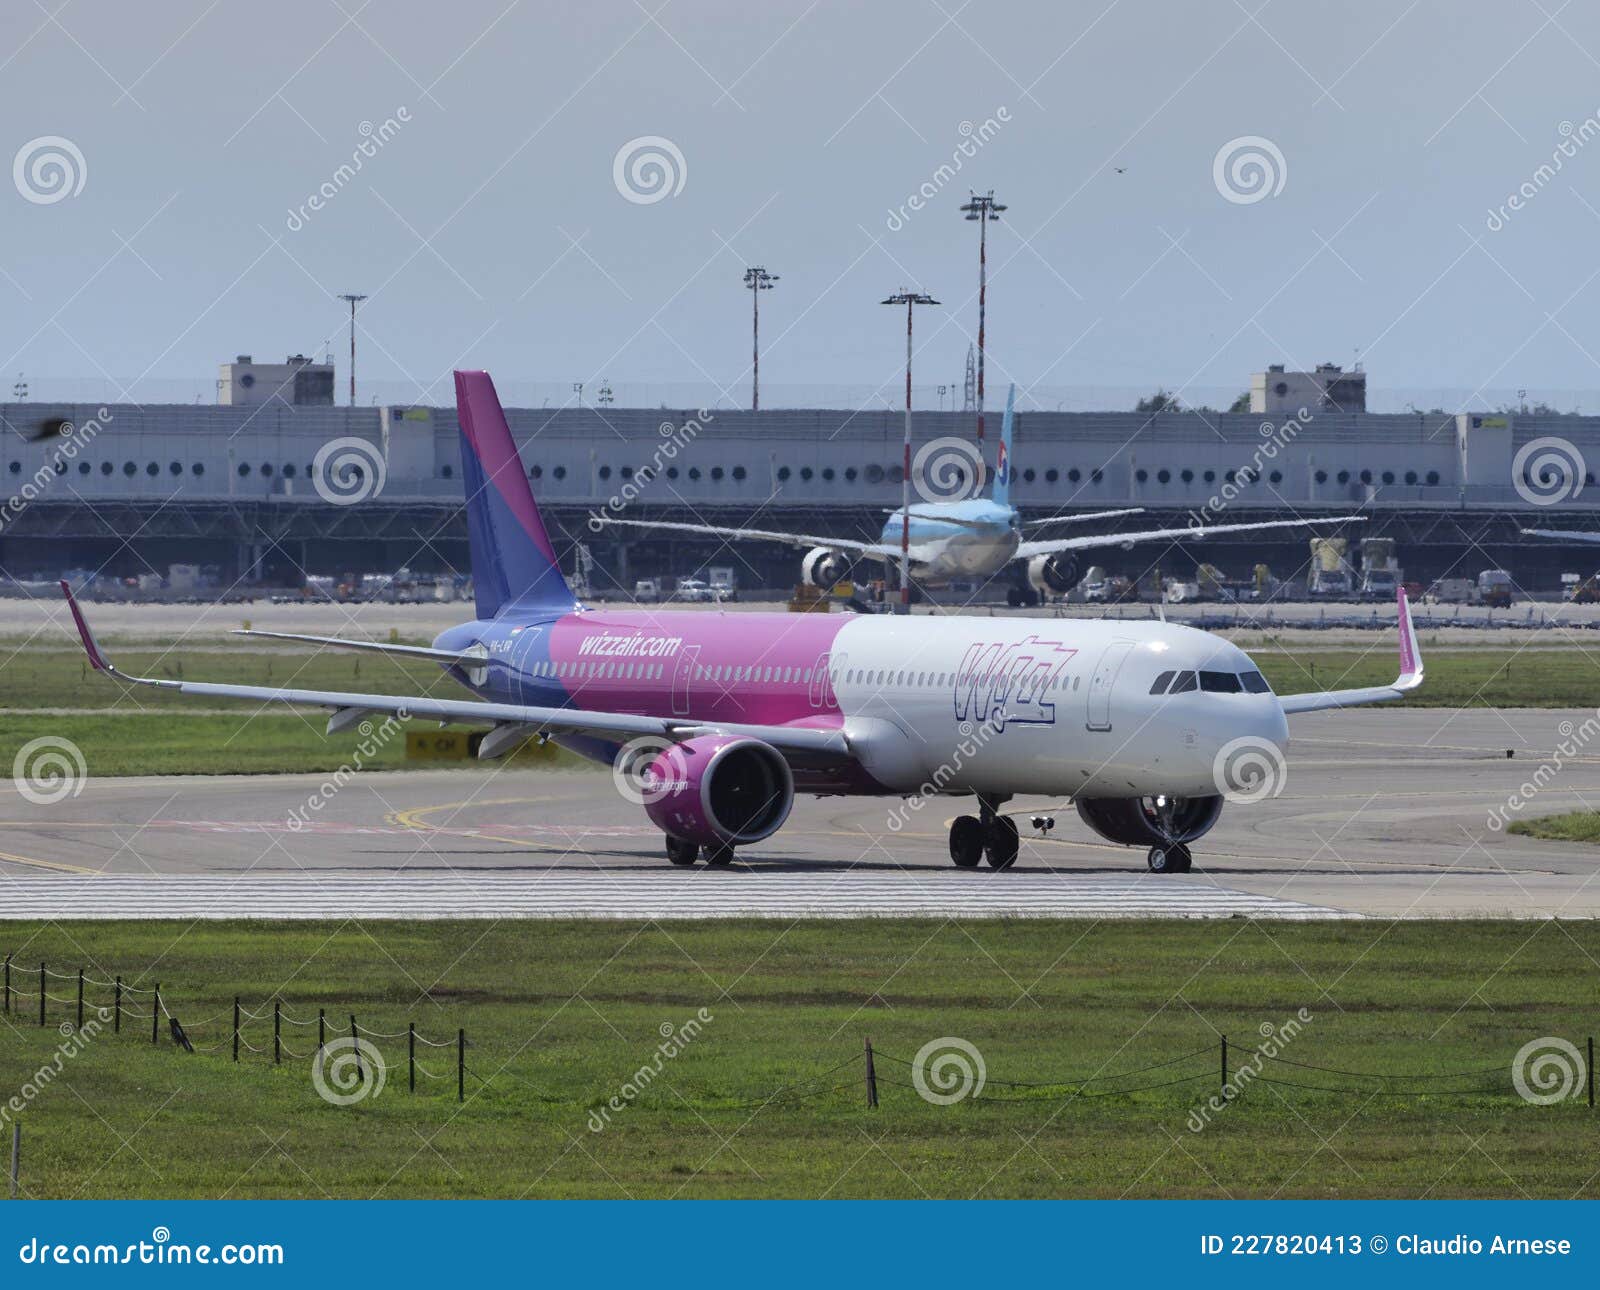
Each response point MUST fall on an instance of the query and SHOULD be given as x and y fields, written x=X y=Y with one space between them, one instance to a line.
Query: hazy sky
x=490 y=231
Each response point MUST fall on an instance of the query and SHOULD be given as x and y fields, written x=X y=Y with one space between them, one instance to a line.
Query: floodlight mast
x=982 y=209
x=758 y=280
x=910 y=299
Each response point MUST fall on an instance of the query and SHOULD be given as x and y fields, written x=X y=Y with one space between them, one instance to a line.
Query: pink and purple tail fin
x=514 y=566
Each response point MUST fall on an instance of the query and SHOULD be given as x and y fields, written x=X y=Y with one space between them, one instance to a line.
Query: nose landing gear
x=1169 y=857
x=988 y=835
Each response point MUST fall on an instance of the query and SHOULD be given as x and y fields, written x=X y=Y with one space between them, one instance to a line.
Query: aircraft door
x=1102 y=682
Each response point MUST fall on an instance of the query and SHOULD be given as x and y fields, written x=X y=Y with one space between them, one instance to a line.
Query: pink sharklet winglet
x=91 y=647
x=478 y=407
x=1410 y=663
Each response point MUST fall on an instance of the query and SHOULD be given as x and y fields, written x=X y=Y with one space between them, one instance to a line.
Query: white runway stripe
x=691 y=894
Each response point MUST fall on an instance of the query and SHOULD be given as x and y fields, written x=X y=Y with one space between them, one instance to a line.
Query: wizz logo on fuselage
x=1007 y=683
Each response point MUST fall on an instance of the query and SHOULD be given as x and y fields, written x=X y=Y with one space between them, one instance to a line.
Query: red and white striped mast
x=910 y=299
x=983 y=209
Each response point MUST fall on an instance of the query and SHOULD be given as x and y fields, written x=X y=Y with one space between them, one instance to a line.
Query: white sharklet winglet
x=618 y=725
x=1411 y=673
x=1565 y=535
x=465 y=658
x=1189 y=532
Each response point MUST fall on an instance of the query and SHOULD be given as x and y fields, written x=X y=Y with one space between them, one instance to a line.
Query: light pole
x=910 y=299
x=983 y=209
x=758 y=280
x=354 y=301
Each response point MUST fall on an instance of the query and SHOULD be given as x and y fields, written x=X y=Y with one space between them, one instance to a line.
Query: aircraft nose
x=1249 y=762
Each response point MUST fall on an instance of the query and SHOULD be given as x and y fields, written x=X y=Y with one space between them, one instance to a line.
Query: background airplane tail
x=1002 y=467
x=514 y=565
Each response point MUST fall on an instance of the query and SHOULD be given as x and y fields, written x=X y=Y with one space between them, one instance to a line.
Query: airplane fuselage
x=972 y=539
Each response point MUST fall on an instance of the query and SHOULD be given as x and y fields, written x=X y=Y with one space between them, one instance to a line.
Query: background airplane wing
x=1081 y=519
x=1409 y=679
x=1052 y=545
x=350 y=707
x=876 y=550
x=1565 y=534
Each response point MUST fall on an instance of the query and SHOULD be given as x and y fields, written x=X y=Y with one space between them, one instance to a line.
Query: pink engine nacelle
x=726 y=790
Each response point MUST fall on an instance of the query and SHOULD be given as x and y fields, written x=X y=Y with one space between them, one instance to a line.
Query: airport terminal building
x=132 y=488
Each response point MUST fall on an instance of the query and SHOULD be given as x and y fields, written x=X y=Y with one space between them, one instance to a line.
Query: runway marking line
x=49 y=864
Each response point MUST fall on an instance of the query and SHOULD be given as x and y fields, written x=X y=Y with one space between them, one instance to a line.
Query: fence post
x=1591 y=1072
x=8 y=985
x=322 y=1031
x=1223 y=1087
x=872 y=1078
x=80 y=998
x=411 y=1052
x=356 y=1044
x=461 y=1065
x=16 y=1155
x=41 y=992
x=117 y=1009
x=155 y=1015
x=235 y=1027
x=277 y=1032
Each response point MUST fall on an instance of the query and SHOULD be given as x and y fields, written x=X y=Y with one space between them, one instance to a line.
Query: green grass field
x=560 y=1016
x=1574 y=826
x=146 y=730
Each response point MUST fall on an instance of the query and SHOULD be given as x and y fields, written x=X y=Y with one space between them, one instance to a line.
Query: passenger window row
x=1211 y=683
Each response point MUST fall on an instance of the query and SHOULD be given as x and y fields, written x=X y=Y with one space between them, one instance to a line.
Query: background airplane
x=970 y=539
x=715 y=721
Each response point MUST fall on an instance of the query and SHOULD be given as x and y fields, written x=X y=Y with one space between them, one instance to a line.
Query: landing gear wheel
x=966 y=841
x=1000 y=842
x=681 y=851
x=1169 y=857
x=719 y=855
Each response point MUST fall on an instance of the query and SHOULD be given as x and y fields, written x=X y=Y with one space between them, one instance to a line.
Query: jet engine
x=1056 y=574
x=1148 y=821
x=718 y=790
x=824 y=567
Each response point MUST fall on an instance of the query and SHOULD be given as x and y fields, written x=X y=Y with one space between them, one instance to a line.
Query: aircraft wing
x=1409 y=679
x=1081 y=519
x=1049 y=547
x=349 y=708
x=1566 y=535
x=460 y=657
x=869 y=550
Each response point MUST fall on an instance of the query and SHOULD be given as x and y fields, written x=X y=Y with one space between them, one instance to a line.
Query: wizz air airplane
x=970 y=539
x=727 y=716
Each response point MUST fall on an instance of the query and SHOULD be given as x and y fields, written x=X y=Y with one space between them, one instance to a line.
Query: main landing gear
x=684 y=853
x=988 y=835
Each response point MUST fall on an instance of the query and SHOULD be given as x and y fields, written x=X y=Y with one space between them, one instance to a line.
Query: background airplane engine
x=1137 y=821
x=1056 y=574
x=719 y=790
x=824 y=567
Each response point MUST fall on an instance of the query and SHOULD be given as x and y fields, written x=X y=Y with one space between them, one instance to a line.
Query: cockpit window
x=1182 y=683
x=1255 y=683
x=1160 y=686
x=1219 y=683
